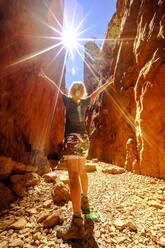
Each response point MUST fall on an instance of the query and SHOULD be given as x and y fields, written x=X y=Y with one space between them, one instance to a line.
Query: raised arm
x=42 y=74
x=101 y=88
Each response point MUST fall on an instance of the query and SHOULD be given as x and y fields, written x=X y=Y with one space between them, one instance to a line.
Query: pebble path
x=131 y=209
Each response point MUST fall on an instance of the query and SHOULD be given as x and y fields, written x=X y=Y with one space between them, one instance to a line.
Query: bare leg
x=76 y=229
x=75 y=189
x=83 y=175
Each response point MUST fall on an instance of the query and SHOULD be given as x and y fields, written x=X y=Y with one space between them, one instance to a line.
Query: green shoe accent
x=93 y=217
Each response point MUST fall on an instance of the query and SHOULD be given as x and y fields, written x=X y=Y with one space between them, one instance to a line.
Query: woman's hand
x=43 y=75
x=102 y=88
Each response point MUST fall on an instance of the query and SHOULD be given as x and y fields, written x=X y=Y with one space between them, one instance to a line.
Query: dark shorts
x=76 y=144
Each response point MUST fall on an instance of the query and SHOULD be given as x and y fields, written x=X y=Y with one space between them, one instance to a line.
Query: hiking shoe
x=85 y=205
x=75 y=230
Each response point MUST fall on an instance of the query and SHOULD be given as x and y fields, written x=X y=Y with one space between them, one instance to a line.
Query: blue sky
x=97 y=14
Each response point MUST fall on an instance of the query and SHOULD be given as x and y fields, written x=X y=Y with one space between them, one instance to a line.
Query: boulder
x=90 y=167
x=19 y=189
x=20 y=168
x=20 y=182
x=19 y=224
x=60 y=193
x=50 y=177
x=113 y=170
x=5 y=195
x=52 y=220
x=6 y=166
x=29 y=179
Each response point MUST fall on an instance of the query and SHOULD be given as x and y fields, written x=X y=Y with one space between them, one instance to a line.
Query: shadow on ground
x=89 y=240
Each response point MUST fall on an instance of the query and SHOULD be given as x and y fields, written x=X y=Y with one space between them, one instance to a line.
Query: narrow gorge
x=125 y=125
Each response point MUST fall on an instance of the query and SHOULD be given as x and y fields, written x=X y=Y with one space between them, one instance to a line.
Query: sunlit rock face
x=31 y=111
x=127 y=127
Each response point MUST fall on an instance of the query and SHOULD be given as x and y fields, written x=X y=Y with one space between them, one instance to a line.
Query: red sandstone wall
x=28 y=117
x=128 y=123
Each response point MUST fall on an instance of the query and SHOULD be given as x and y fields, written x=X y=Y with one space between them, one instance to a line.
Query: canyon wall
x=31 y=110
x=91 y=66
x=127 y=122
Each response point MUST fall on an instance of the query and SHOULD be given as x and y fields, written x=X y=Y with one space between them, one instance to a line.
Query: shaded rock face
x=91 y=66
x=128 y=121
x=29 y=105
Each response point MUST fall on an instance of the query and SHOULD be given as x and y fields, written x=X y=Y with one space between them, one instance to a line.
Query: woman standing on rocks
x=76 y=104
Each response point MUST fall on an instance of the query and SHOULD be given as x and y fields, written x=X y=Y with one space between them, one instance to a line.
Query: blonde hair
x=77 y=86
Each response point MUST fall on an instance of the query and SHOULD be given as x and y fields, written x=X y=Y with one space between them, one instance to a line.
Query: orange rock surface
x=127 y=124
x=31 y=110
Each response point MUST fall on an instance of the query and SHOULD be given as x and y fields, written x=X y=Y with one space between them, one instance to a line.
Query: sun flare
x=69 y=39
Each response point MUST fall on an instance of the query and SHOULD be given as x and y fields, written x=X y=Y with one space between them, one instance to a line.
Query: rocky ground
x=131 y=208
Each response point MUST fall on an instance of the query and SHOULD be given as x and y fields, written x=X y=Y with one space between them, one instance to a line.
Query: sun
x=69 y=39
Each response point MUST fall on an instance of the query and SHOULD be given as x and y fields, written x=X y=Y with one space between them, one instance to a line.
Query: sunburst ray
x=32 y=56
